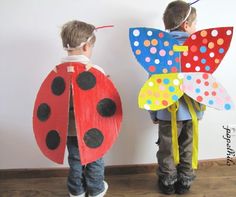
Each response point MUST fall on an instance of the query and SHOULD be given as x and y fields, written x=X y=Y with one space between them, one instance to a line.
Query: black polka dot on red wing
x=58 y=86
x=93 y=138
x=43 y=111
x=106 y=107
x=86 y=80
x=53 y=139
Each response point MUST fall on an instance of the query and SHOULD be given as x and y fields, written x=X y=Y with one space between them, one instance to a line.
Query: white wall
x=30 y=47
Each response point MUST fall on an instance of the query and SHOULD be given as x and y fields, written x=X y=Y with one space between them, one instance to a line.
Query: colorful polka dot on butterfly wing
x=206 y=50
x=203 y=88
x=151 y=48
x=160 y=91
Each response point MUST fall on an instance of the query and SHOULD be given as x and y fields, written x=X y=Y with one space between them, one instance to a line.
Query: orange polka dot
x=156 y=94
x=154 y=42
x=138 y=52
x=220 y=41
x=142 y=95
x=215 y=85
x=164 y=70
x=166 y=43
x=165 y=95
x=203 y=33
x=149 y=92
x=211 y=45
x=146 y=43
x=171 y=53
x=217 y=61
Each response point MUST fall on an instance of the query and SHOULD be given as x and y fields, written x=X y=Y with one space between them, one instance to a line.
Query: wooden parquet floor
x=214 y=181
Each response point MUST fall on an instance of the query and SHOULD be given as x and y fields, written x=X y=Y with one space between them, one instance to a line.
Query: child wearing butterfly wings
x=180 y=19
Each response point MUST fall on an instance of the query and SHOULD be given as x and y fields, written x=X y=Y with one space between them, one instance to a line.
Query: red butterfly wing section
x=50 y=116
x=206 y=49
x=98 y=112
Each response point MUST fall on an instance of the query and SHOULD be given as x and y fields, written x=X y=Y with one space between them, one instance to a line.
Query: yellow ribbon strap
x=181 y=48
x=195 y=132
x=175 y=146
x=199 y=107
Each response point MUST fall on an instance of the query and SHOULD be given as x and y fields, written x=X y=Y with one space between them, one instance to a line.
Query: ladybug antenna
x=68 y=48
x=105 y=26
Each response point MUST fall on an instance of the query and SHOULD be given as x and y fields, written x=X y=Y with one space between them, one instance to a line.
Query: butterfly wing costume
x=179 y=70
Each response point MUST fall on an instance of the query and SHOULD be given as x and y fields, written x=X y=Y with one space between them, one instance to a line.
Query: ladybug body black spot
x=58 y=86
x=53 y=139
x=86 y=80
x=106 y=107
x=93 y=138
x=43 y=112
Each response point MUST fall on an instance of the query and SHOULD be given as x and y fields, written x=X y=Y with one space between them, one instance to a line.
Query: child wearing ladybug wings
x=180 y=64
x=78 y=106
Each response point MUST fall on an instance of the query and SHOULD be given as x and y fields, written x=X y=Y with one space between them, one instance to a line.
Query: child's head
x=180 y=16
x=78 y=38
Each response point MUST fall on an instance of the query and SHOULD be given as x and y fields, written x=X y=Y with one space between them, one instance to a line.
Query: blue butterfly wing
x=153 y=49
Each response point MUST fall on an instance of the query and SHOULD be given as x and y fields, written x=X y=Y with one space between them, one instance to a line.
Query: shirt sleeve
x=153 y=115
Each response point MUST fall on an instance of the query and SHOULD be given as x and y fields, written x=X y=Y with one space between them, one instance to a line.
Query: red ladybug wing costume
x=50 y=117
x=97 y=109
x=98 y=113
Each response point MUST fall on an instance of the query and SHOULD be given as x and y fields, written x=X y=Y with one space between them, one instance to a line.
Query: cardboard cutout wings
x=176 y=69
x=97 y=109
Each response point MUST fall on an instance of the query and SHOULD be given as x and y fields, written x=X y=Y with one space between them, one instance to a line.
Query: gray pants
x=168 y=172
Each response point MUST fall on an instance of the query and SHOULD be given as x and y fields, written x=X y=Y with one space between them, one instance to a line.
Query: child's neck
x=75 y=52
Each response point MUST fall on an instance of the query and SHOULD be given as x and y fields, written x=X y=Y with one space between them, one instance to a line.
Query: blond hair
x=176 y=13
x=76 y=33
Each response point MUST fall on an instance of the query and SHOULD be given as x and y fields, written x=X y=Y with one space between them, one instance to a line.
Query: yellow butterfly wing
x=160 y=91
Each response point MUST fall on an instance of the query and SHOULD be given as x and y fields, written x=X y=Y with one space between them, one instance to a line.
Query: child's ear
x=85 y=47
x=185 y=25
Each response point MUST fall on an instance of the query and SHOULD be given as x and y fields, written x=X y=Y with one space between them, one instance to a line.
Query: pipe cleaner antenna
x=105 y=26
x=194 y=2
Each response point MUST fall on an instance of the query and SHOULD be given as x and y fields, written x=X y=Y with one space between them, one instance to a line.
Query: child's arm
x=153 y=115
